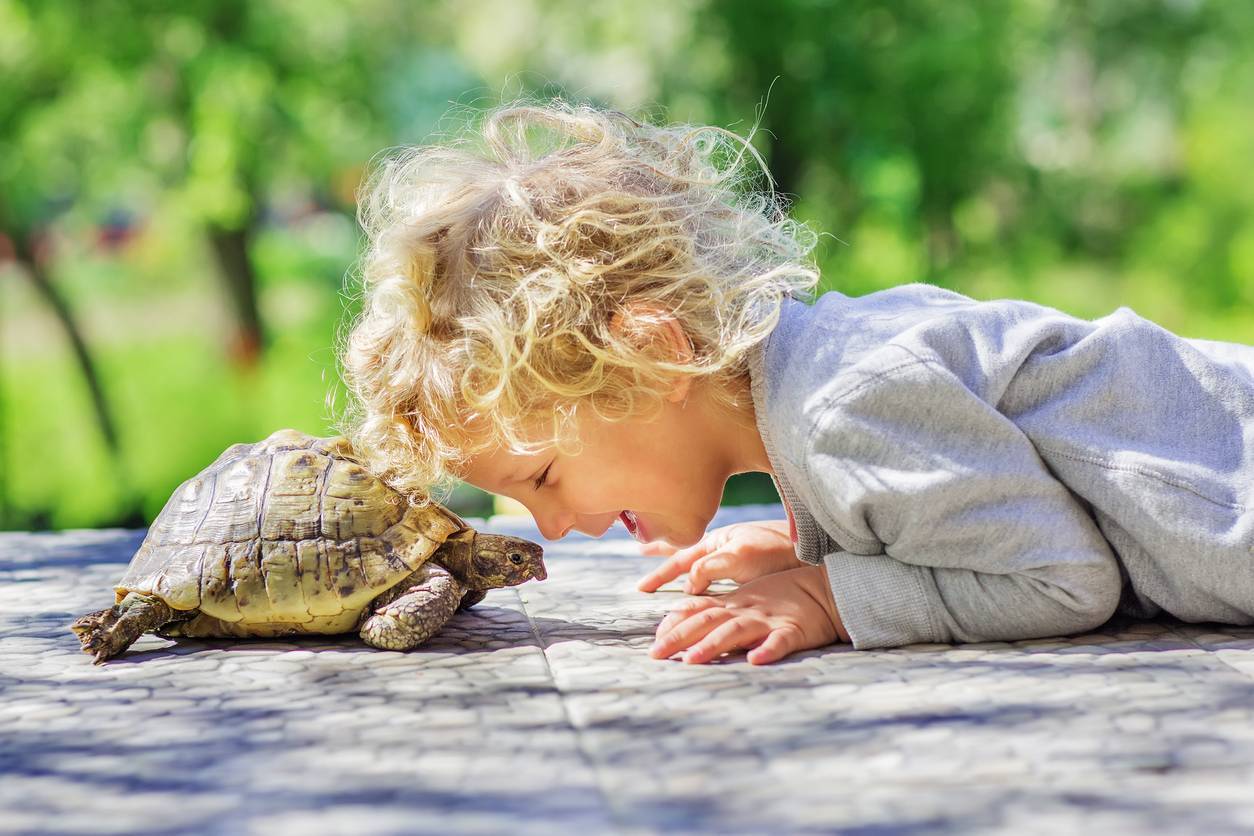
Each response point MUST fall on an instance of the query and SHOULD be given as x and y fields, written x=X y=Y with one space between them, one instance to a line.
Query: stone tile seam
x=612 y=812
x=1208 y=651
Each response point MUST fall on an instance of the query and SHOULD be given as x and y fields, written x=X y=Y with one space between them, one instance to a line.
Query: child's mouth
x=633 y=525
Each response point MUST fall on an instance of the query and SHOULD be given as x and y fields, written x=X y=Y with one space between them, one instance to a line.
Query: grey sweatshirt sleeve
x=979 y=541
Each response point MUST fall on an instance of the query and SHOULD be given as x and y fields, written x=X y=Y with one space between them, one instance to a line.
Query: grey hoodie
x=977 y=471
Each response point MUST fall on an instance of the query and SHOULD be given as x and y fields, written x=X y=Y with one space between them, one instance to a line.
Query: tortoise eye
x=515 y=558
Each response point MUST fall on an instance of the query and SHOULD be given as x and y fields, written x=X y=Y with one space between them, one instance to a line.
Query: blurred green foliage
x=180 y=176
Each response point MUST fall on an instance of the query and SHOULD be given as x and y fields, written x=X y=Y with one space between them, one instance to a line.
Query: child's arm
x=953 y=528
x=962 y=534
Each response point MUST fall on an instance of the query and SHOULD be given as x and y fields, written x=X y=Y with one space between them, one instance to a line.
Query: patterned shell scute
x=357 y=504
x=283 y=531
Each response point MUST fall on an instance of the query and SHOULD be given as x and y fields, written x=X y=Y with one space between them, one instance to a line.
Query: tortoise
x=293 y=535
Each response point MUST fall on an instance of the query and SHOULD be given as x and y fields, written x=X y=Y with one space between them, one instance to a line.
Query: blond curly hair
x=496 y=262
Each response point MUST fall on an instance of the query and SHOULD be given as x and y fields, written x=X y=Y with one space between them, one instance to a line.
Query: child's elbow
x=1094 y=595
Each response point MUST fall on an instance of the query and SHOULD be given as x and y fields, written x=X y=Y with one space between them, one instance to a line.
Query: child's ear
x=645 y=323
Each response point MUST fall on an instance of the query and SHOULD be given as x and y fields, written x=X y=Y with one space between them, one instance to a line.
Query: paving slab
x=540 y=711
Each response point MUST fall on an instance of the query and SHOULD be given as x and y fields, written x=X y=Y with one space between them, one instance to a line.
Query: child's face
x=668 y=472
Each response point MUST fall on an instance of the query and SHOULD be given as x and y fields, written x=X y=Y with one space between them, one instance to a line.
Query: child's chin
x=683 y=541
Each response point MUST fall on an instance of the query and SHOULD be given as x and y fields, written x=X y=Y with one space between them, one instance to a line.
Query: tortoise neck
x=456 y=556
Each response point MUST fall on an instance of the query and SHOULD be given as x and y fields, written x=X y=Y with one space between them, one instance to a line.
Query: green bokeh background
x=1083 y=155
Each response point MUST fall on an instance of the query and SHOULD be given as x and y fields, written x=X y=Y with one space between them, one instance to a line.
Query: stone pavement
x=540 y=711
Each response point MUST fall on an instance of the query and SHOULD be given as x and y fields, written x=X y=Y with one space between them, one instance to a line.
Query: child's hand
x=738 y=552
x=772 y=616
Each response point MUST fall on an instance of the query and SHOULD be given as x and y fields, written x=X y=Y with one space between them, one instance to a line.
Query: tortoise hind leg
x=107 y=633
x=412 y=611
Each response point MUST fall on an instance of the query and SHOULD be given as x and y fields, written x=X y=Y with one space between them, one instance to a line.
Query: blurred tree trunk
x=31 y=263
x=943 y=243
x=32 y=266
x=231 y=249
x=785 y=163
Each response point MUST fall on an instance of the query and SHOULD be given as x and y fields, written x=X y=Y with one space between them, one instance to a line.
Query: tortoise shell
x=290 y=533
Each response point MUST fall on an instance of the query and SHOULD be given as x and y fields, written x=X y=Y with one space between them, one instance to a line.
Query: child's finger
x=691 y=629
x=658 y=548
x=781 y=642
x=728 y=636
x=685 y=608
x=706 y=570
x=682 y=611
x=675 y=565
x=663 y=574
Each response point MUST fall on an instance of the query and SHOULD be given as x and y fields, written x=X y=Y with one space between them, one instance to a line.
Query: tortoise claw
x=92 y=621
x=108 y=633
x=98 y=634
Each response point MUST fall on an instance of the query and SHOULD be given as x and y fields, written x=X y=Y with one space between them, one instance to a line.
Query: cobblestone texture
x=539 y=711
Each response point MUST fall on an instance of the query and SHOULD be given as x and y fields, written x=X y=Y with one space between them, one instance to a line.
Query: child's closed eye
x=540 y=480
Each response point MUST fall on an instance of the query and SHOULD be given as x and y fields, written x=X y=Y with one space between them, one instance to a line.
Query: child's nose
x=554 y=533
x=553 y=528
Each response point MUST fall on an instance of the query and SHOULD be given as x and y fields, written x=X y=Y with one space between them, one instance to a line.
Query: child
x=609 y=326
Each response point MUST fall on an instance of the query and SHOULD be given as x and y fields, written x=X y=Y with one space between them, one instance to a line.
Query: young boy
x=609 y=327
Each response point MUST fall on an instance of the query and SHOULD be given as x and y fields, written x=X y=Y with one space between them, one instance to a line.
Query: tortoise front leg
x=472 y=597
x=414 y=610
x=107 y=633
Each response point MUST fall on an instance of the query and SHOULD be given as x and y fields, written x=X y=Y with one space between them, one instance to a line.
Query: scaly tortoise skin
x=292 y=535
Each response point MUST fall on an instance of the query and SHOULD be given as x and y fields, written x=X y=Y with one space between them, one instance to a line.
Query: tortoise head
x=505 y=561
